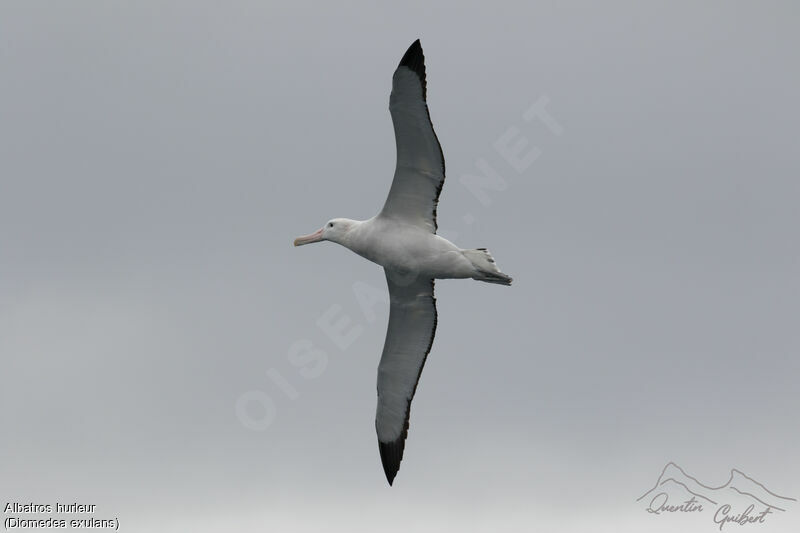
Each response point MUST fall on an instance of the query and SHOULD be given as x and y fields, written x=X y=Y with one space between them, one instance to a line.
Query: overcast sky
x=158 y=158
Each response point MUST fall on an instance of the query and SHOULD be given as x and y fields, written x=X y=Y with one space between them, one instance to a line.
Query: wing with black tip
x=419 y=174
x=409 y=337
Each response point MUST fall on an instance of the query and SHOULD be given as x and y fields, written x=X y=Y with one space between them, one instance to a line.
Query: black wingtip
x=391 y=455
x=413 y=54
x=415 y=60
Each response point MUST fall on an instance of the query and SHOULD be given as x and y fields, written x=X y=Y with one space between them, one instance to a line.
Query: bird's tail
x=485 y=267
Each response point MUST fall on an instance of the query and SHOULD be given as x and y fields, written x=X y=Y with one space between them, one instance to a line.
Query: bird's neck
x=354 y=238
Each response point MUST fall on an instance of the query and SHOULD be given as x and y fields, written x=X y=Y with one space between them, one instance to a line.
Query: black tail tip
x=495 y=277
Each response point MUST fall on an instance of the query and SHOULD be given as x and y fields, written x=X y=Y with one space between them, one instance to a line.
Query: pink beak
x=308 y=239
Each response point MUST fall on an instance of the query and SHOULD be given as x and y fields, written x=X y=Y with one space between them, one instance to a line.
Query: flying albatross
x=402 y=239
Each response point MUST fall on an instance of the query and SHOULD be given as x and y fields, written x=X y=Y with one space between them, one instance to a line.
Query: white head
x=335 y=230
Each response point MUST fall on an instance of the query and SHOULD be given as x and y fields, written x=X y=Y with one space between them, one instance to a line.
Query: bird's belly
x=445 y=264
x=429 y=256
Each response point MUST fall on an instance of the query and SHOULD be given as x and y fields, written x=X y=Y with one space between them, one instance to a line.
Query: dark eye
x=330 y=224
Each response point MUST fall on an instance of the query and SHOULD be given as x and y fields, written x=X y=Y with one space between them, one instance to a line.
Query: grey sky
x=157 y=159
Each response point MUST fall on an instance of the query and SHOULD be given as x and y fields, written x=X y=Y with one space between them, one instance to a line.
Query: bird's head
x=334 y=230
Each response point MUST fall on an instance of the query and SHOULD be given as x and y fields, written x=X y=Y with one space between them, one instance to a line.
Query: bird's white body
x=402 y=247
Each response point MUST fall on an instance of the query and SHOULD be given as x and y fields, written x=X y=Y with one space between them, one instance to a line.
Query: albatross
x=402 y=239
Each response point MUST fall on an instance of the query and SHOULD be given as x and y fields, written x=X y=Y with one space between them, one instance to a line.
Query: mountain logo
x=741 y=500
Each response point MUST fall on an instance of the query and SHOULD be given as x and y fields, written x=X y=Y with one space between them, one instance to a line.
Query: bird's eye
x=330 y=224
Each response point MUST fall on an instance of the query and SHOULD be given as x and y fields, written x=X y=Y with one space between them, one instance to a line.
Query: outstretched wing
x=419 y=175
x=409 y=337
